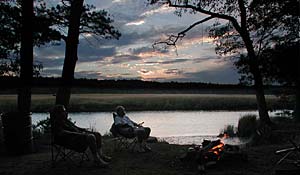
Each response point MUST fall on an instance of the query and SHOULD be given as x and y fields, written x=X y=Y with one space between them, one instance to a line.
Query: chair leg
x=134 y=143
x=84 y=157
x=285 y=156
x=60 y=153
x=118 y=144
x=127 y=143
x=52 y=156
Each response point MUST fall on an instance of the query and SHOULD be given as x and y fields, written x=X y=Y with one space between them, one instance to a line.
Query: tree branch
x=195 y=24
x=172 y=40
x=212 y=14
x=242 y=13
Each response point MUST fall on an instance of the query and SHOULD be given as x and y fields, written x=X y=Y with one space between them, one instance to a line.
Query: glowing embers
x=218 y=149
x=212 y=150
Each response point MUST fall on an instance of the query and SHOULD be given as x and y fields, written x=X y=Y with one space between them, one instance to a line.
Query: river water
x=178 y=127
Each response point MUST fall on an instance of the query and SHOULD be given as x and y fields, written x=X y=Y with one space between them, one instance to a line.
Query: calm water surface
x=179 y=127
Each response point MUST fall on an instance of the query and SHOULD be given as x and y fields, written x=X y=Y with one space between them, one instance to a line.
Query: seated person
x=129 y=128
x=69 y=135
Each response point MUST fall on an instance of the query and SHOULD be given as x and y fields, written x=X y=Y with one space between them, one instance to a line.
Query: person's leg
x=144 y=136
x=147 y=132
x=99 y=144
x=91 y=140
x=98 y=139
x=141 y=135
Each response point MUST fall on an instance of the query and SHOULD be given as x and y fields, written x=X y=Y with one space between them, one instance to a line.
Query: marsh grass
x=247 y=125
x=230 y=130
x=138 y=102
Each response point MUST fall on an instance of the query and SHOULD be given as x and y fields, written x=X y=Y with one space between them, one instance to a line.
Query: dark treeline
x=10 y=83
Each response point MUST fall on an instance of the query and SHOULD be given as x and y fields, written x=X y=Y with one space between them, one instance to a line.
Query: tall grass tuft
x=247 y=125
x=230 y=130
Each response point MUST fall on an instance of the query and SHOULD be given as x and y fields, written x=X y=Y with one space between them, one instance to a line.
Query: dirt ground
x=163 y=160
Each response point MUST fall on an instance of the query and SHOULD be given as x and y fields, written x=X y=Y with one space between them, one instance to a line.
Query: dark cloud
x=87 y=53
x=200 y=31
x=226 y=74
x=173 y=71
x=127 y=74
x=50 y=63
x=50 y=51
x=87 y=74
x=92 y=49
x=124 y=58
x=202 y=59
x=51 y=73
x=143 y=36
x=139 y=50
x=53 y=56
x=144 y=71
x=171 y=61
x=127 y=38
x=174 y=61
x=151 y=62
x=161 y=79
x=128 y=11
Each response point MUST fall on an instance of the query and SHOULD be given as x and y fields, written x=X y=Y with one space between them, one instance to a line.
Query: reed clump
x=247 y=125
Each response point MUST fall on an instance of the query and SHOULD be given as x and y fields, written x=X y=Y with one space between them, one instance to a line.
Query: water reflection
x=178 y=127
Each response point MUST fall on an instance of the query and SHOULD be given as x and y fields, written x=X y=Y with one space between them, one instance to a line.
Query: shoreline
x=149 y=102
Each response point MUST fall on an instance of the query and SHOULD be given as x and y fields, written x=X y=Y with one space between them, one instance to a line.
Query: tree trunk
x=64 y=92
x=26 y=57
x=297 y=106
x=26 y=66
x=260 y=95
x=258 y=81
x=254 y=65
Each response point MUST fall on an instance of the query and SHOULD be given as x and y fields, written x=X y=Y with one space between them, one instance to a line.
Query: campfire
x=212 y=152
x=218 y=149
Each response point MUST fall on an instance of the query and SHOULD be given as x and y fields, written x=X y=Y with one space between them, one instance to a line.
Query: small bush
x=230 y=130
x=247 y=125
x=41 y=127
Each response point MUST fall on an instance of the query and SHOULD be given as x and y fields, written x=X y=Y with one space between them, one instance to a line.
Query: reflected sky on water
x=179 y=127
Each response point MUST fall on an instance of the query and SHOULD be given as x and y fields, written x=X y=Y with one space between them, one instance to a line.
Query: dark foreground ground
x=163 y=160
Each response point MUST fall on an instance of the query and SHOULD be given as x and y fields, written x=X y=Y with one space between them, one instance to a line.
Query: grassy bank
x=138 y=102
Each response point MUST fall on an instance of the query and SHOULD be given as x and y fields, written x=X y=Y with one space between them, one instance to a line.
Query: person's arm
x=119 y=123
x=134 y=123
x=72 y=126
x=82 y=129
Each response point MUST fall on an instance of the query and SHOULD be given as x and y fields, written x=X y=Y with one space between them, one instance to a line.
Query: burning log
x=209 y=154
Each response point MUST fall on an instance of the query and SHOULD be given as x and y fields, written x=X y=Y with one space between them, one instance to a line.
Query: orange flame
x=225 y=136
x=217 y=149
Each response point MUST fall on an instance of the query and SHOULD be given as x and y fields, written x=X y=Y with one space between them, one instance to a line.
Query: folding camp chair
x=122 y=141
x=291 y=155
x=62 y=153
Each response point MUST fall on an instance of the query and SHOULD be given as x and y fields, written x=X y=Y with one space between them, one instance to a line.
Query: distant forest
x=10 y=84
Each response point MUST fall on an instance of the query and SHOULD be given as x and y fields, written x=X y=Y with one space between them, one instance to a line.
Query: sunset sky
x=133 y=57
